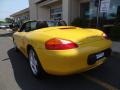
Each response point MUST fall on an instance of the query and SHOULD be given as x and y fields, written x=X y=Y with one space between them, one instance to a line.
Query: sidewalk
x=116 y=47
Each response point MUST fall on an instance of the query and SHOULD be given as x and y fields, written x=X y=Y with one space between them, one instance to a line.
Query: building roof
x=20 y=12
x=45 y=2
x=39 y=1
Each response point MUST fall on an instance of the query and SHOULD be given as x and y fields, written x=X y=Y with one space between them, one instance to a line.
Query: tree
x=9 y=20
x=1 y=22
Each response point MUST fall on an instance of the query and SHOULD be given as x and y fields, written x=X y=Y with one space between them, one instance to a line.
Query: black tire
x=36 y=69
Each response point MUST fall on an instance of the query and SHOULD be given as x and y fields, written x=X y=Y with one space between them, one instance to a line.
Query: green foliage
x=115 y=33
x=1 y=22
x=9 y=20
x=80 y=22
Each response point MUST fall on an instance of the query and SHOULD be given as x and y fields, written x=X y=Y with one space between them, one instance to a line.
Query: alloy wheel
x=33 y=62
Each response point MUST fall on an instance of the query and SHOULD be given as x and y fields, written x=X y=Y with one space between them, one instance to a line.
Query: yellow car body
x=67 y=61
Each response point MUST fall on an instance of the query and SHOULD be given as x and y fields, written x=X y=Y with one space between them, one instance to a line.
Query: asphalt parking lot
x=15 y=73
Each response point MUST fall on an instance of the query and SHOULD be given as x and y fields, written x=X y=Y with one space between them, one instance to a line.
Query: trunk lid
x=75 y=34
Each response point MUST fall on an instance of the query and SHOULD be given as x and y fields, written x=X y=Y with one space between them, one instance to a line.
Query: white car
x=4 y=26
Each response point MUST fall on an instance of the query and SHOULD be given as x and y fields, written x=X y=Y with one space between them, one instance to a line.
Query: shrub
x=115 y=33
x=80 y=22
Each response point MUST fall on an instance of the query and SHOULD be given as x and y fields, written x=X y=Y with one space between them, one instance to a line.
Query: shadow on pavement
x=26 y=81
x=109 y=72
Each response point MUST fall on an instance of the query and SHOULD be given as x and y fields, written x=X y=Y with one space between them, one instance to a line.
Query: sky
x=8 y=7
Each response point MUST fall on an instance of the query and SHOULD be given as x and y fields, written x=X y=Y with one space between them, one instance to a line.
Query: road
x=15 y=73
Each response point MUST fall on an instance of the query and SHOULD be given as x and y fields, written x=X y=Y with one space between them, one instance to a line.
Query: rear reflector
x=59 y=44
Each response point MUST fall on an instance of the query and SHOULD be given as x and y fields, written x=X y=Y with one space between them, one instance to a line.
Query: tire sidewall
x=40 y=71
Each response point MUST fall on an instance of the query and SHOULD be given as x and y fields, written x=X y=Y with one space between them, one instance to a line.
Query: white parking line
x=100 y=82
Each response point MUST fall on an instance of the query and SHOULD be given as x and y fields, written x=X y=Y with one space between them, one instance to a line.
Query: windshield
x=52 y=23
x=56 y=23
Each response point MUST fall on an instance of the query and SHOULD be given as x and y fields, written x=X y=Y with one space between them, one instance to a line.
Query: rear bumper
x=92 y=58
x=64 y=62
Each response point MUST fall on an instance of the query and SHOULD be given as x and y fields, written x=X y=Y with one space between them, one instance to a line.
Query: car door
x=18 y=36
x=29 y=27
x=24 y=33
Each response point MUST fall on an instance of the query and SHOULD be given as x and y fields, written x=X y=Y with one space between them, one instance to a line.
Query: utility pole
x=98 y=13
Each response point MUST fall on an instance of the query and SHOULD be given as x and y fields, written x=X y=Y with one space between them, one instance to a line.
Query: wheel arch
x=40 y=65
x=29 y=47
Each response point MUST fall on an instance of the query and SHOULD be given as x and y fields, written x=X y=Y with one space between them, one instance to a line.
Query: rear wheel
x=34 y=63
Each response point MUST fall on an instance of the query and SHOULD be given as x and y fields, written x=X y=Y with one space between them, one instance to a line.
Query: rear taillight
x=105 y=36
x=59 y=44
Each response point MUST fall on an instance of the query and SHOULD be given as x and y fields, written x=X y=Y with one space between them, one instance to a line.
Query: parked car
x=61 y=50
x=4 y=26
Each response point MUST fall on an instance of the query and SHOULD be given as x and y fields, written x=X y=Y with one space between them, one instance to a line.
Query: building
x=54 y=9
x=68 y=10
x=21 y=16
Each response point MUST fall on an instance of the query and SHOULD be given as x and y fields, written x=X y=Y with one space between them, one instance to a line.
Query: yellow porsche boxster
x=61 y=50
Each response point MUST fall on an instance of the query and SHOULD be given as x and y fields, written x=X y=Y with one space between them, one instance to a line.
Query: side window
x=27 y=27
x=22 y=29
x=33 y=25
